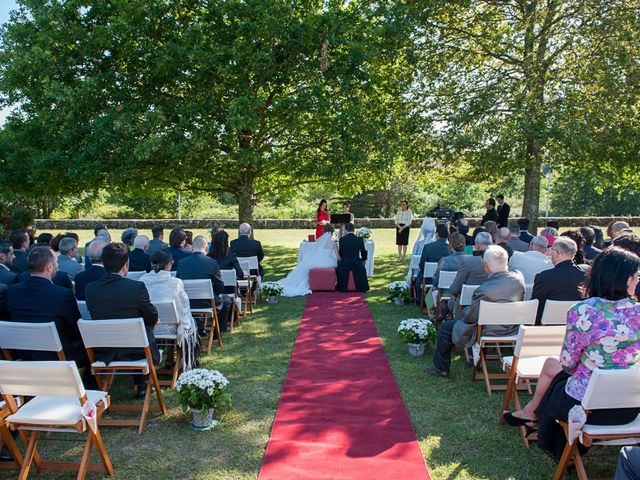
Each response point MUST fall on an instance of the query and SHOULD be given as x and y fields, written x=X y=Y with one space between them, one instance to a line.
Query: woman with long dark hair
x=227 y=260
x=322 y=218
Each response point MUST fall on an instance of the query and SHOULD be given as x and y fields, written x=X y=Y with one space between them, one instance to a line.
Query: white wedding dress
x=427 y=235
x=320 y=254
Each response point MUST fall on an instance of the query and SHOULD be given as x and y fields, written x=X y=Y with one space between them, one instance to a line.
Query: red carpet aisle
x=341 y=415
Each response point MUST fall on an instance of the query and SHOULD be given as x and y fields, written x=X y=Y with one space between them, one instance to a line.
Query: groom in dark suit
x=352 y=258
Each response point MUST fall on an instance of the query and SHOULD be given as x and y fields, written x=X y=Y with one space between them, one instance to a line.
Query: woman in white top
x=323 y=253
x=163 y=286
x=403 y=220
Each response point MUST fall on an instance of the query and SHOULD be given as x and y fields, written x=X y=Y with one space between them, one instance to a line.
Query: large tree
x=240 y=96
x=497 y=77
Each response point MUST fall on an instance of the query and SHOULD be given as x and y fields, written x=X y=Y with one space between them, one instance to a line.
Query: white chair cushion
x=243 y=283
x=167 y=336
x=133 y=364
x=632 y=428
x=54 y=410
x=489 y=339
x=528 y=367
x=202 y=310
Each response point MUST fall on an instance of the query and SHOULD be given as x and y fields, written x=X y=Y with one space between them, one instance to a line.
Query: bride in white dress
x=323 y=253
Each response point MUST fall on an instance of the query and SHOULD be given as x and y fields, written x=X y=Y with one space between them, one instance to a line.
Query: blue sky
x=5 y=7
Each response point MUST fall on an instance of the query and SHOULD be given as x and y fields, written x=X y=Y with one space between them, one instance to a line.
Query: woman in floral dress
x=603 y=332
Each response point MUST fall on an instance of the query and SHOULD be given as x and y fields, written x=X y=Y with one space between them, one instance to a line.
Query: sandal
x=512 y=421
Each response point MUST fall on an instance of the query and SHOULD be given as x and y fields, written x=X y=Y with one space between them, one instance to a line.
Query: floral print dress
x=600 y=334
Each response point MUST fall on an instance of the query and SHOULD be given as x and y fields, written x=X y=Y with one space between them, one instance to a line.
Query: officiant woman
x=403 y=220
x=322 y=218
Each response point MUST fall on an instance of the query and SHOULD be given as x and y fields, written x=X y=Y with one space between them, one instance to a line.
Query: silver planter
x=416 y=349
x=272 y=299
x=398 y=301
x=202 y=419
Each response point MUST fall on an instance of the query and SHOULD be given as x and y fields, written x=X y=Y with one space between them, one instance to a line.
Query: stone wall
x=273 y=223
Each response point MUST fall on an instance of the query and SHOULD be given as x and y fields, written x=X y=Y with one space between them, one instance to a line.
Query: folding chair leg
x=28 y=456
x=102 y=451
x=176 y=367
x=508 y=394
x=156 y=384
x=8 y=441
x=217 y=328
x=485 y=373
x=568 y=453
x=86 y=455
x=145 y=408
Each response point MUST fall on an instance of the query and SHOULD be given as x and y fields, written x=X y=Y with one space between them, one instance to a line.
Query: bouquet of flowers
x=272 y=289
x=202 y=389
x=399 y=290
x=417 y=330
x=364 y=233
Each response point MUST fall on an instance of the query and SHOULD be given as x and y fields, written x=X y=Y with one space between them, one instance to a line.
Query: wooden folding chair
x=135 y=275
x=6 y=439
x=414 y=268
x=429 y=271
x=528 y=291
x=254 y=274
x=203 y=290
x=84 y=311
x=246 y=285
x=122 y=333
x=466 y=297
x=57 y=406
x=168 y=319
x=507 y=313
x=533 y=347
x=555 y=312
x=230 y=280
x=41 y=337
x=607 y=389
x=445 y=280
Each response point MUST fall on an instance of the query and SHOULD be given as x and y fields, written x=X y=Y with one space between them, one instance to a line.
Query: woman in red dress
x=322 y=218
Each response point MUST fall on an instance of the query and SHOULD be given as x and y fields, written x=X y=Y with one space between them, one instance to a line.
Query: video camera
x=446 y=213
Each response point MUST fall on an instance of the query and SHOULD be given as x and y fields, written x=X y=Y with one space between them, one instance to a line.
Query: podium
x=341 y=219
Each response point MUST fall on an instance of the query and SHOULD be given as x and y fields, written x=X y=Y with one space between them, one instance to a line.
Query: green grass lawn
x=456 y=422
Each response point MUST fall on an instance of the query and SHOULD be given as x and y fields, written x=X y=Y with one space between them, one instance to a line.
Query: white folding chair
x=230 y=280
x=203 y=290
x=168 y=319
x=122 y=333
x=555 y=312
x=445 y=280
x=6 y=440
x=42 y=337
x=414 y=268
x=84 y=311
x=246 y=285
x=528 y=291
x=57 y=406
x=135 y=275
x=607 y=389
x=428 y=272
x=534 y=346
x=466 y=296
x=507 y=313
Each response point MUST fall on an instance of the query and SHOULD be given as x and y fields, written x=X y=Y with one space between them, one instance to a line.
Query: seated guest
x=530 y=263
x=630 y=242
x=99 y=231
x=161 y=286
x=177 y=241
x=502 y=240
x=579 y=239
x=198 y=266
x=471 y=270
x=562 y=282
x=44 y=239
x=7 y=277
x=492 y=228
x=245 y=246
x=128 y=236
x=553 y=224
x=67 y=259
x=550 y=234
x=589 y=235
x=139 y=260
x=20 y=243
x=95 y=271
x=492 y=213
x=115 y=297
x=73 y=235
x=628 y=467
x=188 y=245
x=158 y=241
x=227 y=260
x=501 y=286
x=515 y=243
x=613 y=230
x=523 y=225
x=599 y=237
x=587 y=345
x=38 y=300
x=434 y=251
x=451 y=262
x=462 y=226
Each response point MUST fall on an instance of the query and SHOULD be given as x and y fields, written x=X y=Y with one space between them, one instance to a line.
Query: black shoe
x=512 y=421
x=437 y=372
x=142 y=392
x=5 y=456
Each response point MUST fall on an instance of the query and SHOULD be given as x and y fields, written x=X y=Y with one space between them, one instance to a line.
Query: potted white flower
x=203 y=391
x=364 y=233
x=272 y=290
x=399 y=292
x=416 y=332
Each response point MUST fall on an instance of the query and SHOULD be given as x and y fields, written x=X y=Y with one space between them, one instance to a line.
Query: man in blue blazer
x=95 y=271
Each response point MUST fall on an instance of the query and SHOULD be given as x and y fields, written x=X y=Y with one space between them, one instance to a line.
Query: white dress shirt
x=529 y=264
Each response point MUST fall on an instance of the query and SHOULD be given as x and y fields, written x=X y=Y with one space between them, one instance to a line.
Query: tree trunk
x=246 y=202
x=531 y=200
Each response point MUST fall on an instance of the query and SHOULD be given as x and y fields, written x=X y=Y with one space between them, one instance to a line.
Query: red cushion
x=322 y=279
x=351 y=287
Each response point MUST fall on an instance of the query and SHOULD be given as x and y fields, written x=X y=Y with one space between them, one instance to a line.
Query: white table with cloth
x=368 y=244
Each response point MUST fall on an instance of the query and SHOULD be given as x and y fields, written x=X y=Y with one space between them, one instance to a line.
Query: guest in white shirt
x=162 y=286
x=403 y=220
x=532 y=262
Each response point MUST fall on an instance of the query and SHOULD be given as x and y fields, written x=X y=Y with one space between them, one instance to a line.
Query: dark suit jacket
x=177 y=254
x=433 y=252
x=38 y=300
x=230 y=262
x=491 y=214
x=83 y=279
x=116 y=297
x=518 y=245
x=503 y=215
x=139 y=261
x=7 y=277
x=19 y=264
x=198 y=266
x=525 y=236
x=507 y=248
x=590 y=252
x=352 y=248
x=559 y=283
x=61 y=279
x=244 y=246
